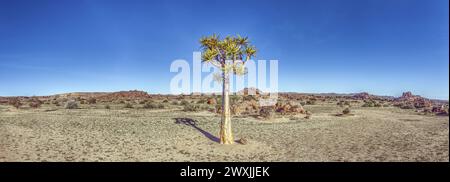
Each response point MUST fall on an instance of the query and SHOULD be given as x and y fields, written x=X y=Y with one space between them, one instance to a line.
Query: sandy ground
x=371 y=134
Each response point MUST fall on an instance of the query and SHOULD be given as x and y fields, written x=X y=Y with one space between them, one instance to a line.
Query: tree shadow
x=192 y=123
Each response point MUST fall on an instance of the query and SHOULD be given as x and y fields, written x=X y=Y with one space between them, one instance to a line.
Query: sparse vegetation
x=71 y=104
x=92 y=100
x=35 y=104
x=128 y=105
x=15 y=102
x=184 y=102
x=343 y=103
x=310 y=102
x=371 y=103
x=407 y=105
x=191 y=108
x=346 y=111
x=149 y=105
x=267 y=112
x=287 y=119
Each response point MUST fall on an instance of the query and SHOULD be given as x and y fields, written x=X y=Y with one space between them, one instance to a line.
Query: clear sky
x=383 y=47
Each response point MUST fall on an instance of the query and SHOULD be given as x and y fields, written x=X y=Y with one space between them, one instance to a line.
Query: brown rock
x=211 y=101
x=243 y=141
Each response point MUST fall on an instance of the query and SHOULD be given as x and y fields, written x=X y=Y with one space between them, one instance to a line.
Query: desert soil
x=96 y=134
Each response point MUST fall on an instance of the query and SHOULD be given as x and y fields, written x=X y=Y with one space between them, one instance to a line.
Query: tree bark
x=226 y=135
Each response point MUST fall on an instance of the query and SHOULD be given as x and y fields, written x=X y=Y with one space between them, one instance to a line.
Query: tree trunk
x=226 y=135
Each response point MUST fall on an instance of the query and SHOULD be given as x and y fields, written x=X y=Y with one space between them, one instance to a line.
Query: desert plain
x=142 y=127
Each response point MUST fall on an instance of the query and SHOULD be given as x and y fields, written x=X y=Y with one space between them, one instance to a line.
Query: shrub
x=184 y=102
x=82 y=102
x=191 y=108
x=407 y=106
x=211 y=101
x=370 y=103
x=204 y=107
x=92 y=100
x=107 y=107
x=267 y=112
x=218 y=108
x=249 y=98
x=165 y=101
x=15 y=102
x=161 y=106
x=71 y=104
x=311 y=102
x=234 y=99
x=153 y=106
x=174 y=102
x=343 y=103
x=236 y=110
x=346 y=111
x=149 y=106
x=128 y=105
x=201 y=101
x=142 y=101
x=35 y=104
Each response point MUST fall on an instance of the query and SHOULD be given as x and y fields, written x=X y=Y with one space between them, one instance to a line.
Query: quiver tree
x=229 y=55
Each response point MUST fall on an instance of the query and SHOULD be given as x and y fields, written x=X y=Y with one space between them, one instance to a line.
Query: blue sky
x=383 y=47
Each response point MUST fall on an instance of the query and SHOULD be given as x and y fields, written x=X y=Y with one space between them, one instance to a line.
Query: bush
x=15 y=102
x=346 y=111
x=267 y=112
x=371 y=103
x=165 y=101
x=191 y=108
x=174 y=102
x=407 y=106
x=184 y=102
x=343 y=103
x=128 y=105
x=249 y=98
x=234 y=99
x=311 y=102
x=211 y=101
x=82 y=102
x=107 y=107
x=71 y=104
x=201 y=101
x=35 y=104
x=153 y=106
x=92 y=100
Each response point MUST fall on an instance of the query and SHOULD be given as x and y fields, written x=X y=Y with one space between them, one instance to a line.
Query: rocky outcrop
x=362 y=96
x=417 y=101
x=125 y=95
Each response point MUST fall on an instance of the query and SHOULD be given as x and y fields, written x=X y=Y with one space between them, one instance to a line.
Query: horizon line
x=219 y=92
